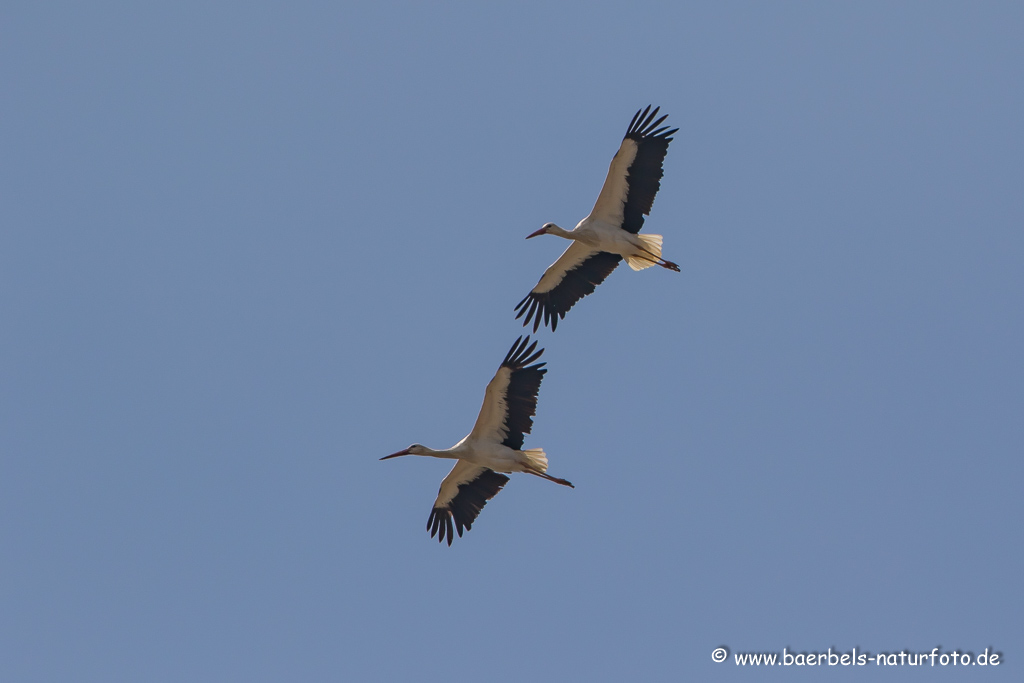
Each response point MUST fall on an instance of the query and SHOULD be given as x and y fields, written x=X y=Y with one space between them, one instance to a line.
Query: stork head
x=415 y=449
x=543 y=231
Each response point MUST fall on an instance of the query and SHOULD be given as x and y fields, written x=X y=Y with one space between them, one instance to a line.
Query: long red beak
x=542 y=231
x=395 y=455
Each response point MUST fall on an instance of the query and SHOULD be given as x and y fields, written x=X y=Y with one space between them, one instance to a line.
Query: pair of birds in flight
x=600 y=241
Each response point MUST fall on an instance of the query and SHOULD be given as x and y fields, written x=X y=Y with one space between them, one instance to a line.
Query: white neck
x=557 y=230
x=445 y=453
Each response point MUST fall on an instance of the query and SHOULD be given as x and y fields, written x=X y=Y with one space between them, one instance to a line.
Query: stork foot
x=668 y=264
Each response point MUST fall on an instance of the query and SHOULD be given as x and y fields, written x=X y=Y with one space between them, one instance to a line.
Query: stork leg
x=542 y=475
x=664 y=263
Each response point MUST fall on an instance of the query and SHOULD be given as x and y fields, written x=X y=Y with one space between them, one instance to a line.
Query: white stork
x=492 y=447
x=610 y=233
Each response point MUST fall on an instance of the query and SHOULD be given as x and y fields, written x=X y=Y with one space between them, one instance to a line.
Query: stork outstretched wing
x=462 y=496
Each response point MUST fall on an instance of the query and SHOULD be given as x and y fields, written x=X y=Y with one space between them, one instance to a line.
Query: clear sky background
x=249 y=248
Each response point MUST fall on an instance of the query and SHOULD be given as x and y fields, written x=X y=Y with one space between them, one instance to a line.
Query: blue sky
x=247 y=249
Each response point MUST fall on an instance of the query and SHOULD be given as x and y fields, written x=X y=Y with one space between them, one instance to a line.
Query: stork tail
x=652 y=249
x=536 y=459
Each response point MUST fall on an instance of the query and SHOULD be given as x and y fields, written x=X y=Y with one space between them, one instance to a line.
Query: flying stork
x=611 y=232
x=493 y=446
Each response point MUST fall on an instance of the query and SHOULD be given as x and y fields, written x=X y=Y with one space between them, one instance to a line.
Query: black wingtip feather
x=522 y=353
x=512 y=351
x=647 y=121
x=521 y=306
x=635 y=117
